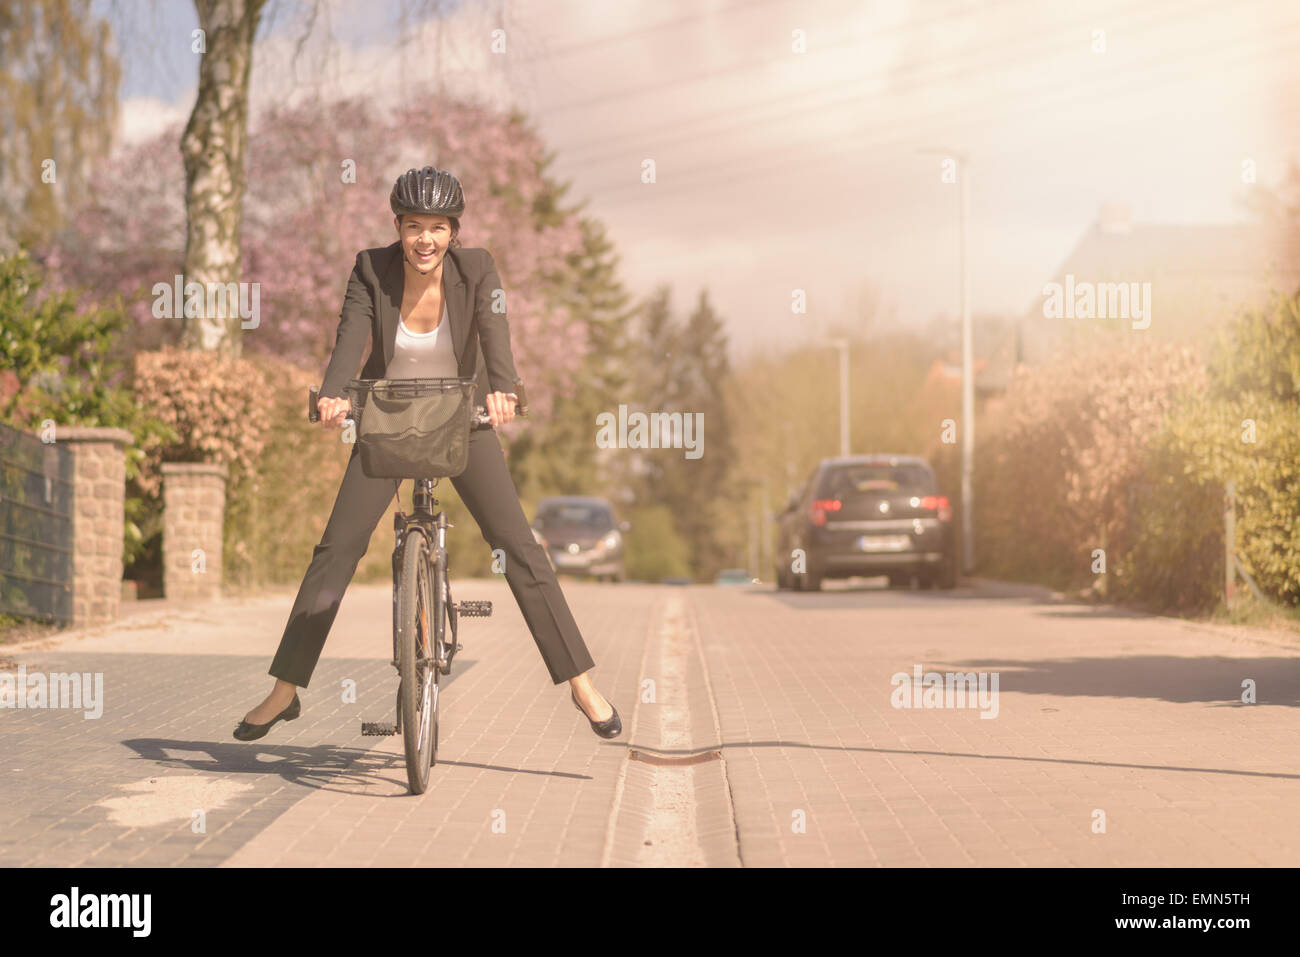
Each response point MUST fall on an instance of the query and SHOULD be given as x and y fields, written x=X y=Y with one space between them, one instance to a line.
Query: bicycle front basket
x=416 y=428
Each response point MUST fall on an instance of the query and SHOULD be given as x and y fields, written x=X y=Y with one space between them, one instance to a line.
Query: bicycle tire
x=419 y=681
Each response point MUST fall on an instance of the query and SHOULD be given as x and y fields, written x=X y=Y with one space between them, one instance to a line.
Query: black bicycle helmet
x=427 y=192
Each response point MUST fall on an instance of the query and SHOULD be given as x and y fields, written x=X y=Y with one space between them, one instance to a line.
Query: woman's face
x=424 y=240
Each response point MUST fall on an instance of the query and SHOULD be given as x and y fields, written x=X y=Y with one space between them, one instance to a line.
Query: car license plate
x=564 y=558
x=884 y=543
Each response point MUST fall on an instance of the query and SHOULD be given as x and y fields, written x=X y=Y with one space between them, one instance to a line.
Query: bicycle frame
x=422 y=520
x=432 y=597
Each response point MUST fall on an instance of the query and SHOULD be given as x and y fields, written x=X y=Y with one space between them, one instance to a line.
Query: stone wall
x=99 y=492
x=194 y=505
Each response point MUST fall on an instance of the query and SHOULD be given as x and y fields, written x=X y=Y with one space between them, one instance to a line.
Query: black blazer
x=372 y=308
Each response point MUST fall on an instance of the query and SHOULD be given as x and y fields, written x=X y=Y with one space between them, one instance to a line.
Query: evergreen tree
x=704 y=491
x=651 y=387
x=558 y=456
x=684 y=368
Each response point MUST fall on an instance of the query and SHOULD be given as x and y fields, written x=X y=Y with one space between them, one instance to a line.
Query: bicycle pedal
x=474 y=609
x=378 y=728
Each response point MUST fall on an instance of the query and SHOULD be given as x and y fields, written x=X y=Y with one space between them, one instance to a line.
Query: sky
x=801 y=145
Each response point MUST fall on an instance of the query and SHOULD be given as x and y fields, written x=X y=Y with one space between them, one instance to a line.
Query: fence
x=36 y=527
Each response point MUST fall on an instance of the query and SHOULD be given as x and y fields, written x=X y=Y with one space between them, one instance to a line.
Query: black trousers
x=488 y=492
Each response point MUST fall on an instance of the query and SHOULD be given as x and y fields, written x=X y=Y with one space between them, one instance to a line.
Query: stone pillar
x=98 y=500
x=194 y=507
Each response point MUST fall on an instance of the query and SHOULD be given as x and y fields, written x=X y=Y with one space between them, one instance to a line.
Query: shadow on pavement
x=917 y=752
x=864 y=593
x=1215 y=680
x=324 y=767
x=1089 y=611
x=836 y=595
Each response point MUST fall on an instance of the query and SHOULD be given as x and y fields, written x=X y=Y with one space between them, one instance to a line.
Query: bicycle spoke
x=418 y=701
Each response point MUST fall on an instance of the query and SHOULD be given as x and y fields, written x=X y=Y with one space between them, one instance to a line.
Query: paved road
x=760 y=730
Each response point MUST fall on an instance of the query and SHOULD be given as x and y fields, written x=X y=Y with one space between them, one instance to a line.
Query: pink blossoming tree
x=318 y=182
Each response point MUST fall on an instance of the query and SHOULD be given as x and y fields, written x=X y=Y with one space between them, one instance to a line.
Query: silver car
x=582 y=536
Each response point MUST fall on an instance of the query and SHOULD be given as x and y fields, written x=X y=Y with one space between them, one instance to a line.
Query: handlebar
x=480 y=420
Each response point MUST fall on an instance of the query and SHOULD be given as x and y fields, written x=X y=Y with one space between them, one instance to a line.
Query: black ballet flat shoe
x=609 y=728
x=251 y=732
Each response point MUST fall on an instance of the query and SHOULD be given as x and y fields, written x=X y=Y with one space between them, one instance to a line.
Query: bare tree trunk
x=213 y=151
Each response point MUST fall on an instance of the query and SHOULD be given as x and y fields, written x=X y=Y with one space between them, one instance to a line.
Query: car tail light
x=822 y=506
x=938 y=503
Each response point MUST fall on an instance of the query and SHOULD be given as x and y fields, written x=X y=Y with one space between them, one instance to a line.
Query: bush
x=1171 y=559
x=1058 y=465
x=218 y=407
x=273 y=524
x=216 y=410
x=1255 y=387
x=1131 y=450
x=64 y=363
x=654 y=550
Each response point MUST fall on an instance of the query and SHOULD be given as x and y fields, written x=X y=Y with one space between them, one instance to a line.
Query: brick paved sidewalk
x=520 y=779
x=1133 y=716
x=1136 y=717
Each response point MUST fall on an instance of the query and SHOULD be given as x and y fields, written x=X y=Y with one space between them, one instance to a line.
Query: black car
x=867 y=515
x=582 y=536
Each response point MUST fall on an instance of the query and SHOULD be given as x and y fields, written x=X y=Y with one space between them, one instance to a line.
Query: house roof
x=1199 y=274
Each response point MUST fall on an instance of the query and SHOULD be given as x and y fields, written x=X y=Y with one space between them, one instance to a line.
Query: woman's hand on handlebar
x=501 y=407
x=333 y=411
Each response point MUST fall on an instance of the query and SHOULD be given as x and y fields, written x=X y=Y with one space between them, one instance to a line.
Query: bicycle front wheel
x=417 y=662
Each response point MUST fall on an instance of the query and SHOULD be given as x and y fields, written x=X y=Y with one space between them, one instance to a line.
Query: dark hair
x=454 y=220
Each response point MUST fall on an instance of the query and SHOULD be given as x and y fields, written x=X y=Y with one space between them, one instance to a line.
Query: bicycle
x=423 y=611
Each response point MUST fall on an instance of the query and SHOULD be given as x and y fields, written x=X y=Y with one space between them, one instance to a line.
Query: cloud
x=144 y=117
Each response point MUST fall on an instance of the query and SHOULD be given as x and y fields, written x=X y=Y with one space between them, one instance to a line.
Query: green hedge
x=1130 y=448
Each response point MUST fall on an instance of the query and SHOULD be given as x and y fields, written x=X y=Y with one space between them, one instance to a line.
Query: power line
x=956 y=71
x=857 y=145
x=730 y=112
x=584 y=45
x=757 y=62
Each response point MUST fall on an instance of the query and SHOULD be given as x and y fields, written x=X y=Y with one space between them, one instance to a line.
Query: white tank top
x=423 y=355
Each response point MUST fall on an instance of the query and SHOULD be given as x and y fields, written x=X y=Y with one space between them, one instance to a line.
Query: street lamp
x=967 y=378
x=843 y=346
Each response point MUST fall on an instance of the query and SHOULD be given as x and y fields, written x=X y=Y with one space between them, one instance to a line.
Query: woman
x=427 y=304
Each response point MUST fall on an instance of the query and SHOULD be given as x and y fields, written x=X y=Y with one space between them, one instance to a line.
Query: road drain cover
x=645 y=758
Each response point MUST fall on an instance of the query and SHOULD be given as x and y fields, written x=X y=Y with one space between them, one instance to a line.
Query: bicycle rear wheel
x=417 y=663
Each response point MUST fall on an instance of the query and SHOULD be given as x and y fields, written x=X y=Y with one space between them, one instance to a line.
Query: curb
x=1016 y=589
x=136 y=616
x=1276 y=639
x=620 y=784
